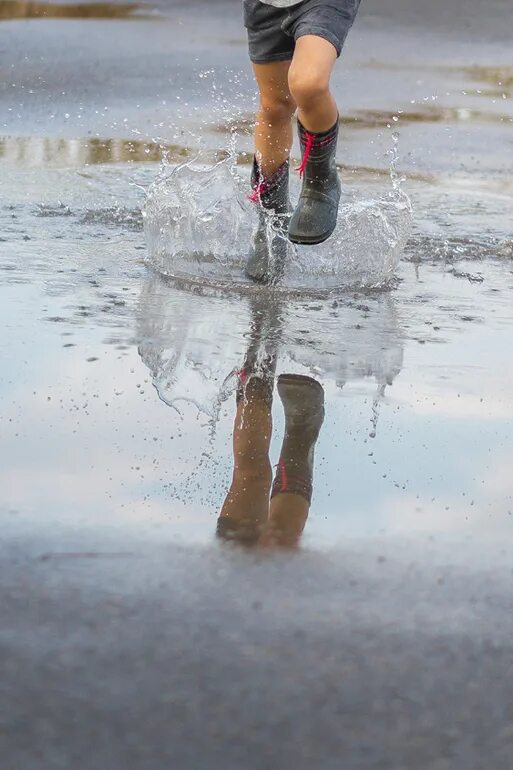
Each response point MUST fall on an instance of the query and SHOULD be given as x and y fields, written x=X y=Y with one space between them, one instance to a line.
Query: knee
x=276 y=109
x=307 y=87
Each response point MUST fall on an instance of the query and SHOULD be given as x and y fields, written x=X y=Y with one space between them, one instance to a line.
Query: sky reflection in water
x=87 y=442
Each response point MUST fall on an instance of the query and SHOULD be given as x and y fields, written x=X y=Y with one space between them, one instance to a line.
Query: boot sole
x=295 y=382
x=257 y=278
x=263 y=280
x=244 y=533
x=268 y=275
x=312 y=240
x=291 y=389
x=299 y=379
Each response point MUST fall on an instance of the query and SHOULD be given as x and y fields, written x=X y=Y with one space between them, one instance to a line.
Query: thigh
x=313 y=56
x=273 y=82
x=329 y=20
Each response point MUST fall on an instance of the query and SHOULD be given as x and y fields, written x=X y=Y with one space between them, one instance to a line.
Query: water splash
x=194 y=344
x=199 y=223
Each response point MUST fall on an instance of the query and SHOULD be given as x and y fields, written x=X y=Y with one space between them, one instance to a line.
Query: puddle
x=135 y=345
x=141 y=370
x=406 y=383
x=37 y=152
x=501 y=77
x=11 y=9
x=41 y=151
x=382 y=119
x=375 y=119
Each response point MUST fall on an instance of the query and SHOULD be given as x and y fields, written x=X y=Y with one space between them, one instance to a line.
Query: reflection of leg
x=303 y=403
x=246 y=506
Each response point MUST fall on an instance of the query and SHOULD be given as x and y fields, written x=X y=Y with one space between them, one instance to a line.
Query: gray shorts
x=272 y=32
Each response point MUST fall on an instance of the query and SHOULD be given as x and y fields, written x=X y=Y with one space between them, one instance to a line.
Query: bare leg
x=315 y=216
x=273 y=128
x=309 y=82
x=246 y=506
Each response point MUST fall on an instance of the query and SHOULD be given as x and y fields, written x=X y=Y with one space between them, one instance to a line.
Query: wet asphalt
x=143 y=655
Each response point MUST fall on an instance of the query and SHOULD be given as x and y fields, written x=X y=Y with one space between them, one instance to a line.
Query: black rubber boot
x=315 y=216
x=269 y=249
x=303 y=403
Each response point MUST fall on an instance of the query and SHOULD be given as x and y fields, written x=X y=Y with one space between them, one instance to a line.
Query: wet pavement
x=145 y=393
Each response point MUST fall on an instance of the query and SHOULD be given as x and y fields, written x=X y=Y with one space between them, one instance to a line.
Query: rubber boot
x=315 y=216
x=303 y=403
x=269 y=250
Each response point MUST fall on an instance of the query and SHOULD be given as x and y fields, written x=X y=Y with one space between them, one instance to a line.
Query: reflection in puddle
x=373 y=119
x=432 y=114
x=501 y=77
x=40 y=151
x=14 y=9
x=259 y=509
x=299 y=347
x=36 y=151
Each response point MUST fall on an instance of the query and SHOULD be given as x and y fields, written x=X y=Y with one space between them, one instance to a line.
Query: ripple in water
x=199 y=224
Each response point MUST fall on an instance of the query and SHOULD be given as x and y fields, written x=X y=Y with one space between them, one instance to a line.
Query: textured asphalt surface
x=139 y=656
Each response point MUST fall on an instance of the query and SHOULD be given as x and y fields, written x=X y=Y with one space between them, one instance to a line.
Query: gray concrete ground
x=143 y=656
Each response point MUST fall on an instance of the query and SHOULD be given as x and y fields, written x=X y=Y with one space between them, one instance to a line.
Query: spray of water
x=199 y=224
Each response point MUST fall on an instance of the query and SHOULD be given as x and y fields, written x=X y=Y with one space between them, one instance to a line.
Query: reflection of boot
x=315 y=216
x=269 y=250
x=243 y=531
x=303 y=404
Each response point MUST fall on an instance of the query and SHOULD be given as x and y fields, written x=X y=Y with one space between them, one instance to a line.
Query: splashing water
x=194 y=219
x=199 y=224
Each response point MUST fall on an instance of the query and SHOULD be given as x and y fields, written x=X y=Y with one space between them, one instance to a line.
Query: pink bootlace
x=254 y=197
x=309 y=144
x=242 y=375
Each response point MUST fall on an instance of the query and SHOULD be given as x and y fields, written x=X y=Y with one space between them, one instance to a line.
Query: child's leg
x=273 y=127
x=315 y=216
x=246 y=506
x=319 y=28
x=309 y=82
x=270 y=175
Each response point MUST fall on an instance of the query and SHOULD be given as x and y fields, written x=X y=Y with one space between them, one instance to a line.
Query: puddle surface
x=120 y=385
x=45 y=151
x=12 y=9
x=130 y=339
